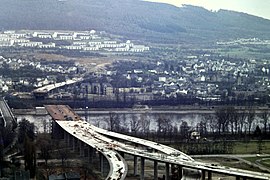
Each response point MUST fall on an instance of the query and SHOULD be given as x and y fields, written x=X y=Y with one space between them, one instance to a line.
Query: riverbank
x=152 y=110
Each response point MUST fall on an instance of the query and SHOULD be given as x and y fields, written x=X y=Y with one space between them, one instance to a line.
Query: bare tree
x=265 y=117
x=233 y=119
x=44 y=144
x=241 y=119
x=163 y=126
x=250 y=118
x=135 y=124
x=210 y=122
x=184 y=128
x=63 y=153
x=26 y=139
x=29 y=156
x=113 y=122
x=175 y=132
x=145 y=124
x=223 y=118
x=202 y=125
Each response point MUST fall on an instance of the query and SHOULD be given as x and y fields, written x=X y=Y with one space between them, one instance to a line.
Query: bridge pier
x=66 y=137
x=155 y=170
x=81 y=146
x=101 y=161
x=122 y=154
x=69 y=140
x=91 y=154
x=180 y=172
x=142 y=168
x=167 y=175
x=74 y=144
x=135 y=165
x=203 y=174
x=209 y=175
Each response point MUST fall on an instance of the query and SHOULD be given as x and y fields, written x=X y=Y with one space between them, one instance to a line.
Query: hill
x=132 y=18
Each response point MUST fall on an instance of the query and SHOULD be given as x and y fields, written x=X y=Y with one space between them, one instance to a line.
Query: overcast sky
x=255 y=7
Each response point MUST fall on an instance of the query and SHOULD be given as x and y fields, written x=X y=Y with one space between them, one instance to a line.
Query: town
x=203 y=78
x=134 y=90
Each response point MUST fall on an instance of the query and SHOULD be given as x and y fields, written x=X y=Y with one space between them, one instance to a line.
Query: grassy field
x=251 y=147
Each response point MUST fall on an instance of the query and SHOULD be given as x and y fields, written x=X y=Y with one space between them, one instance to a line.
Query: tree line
x=225 y=121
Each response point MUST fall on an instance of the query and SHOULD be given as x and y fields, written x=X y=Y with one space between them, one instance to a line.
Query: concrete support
x=65 y=138
x=167 y=175
x=90 y=154
x=155 y=170
x=68 y=139
x=101 y=161
x=180 y=172
x=74 y=143
x=122 y=154
x=238 y=177
x=81 y=144
x=85 y=151
x=135 y=165
x=203 y=174
x=209 y=175
x=142 y=168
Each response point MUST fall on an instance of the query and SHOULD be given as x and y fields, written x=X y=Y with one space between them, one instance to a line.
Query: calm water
x=100 y=120
x=42 y=123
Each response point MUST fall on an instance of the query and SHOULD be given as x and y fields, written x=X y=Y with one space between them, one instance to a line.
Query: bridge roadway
x=79 y=129
x=7 y=116
x=50 y=87
x=164 y=156
x=103 y=142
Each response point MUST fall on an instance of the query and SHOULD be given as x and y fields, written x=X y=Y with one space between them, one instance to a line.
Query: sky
x=255 y=7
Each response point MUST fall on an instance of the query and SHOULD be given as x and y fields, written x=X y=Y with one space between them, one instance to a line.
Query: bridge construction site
x=111 y=148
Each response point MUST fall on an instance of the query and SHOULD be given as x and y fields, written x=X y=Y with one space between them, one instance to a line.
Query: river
x=100 y=118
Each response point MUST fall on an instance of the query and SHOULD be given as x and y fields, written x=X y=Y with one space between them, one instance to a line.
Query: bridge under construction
x=111 y=147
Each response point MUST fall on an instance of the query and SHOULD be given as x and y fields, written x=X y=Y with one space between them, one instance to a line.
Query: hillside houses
x=80 y=41
x=208 y=78
x=18 y=75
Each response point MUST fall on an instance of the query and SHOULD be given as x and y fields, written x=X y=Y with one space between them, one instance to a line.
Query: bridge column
x=180 y=172
x=142 y=168
x=69 y=140
x=101 y=161
x=81 y=144
x=167 y=176
x=74 y=144
x=155 y=170
x=122 y=154
x=203 y=174
x=91 y=154
x=65 y=138
x=135 y=165
x=209 y=175
x=238 y=177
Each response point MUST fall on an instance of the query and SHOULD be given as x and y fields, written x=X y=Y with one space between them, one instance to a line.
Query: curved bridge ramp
x=110 y=143
x=80 y=130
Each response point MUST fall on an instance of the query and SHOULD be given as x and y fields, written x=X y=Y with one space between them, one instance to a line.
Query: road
x=6 y=114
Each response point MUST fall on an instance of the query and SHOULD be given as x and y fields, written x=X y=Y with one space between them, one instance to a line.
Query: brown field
x=82 y=60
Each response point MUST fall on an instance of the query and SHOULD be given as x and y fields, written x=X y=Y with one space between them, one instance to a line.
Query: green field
x=251 y=147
